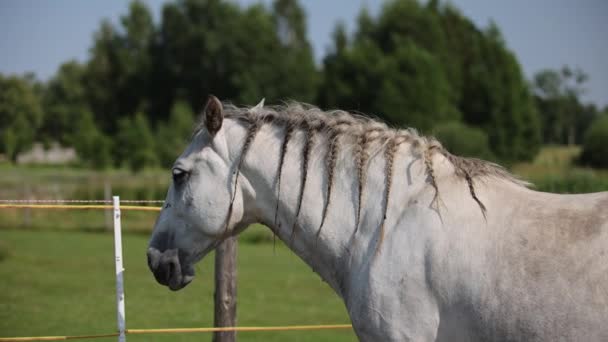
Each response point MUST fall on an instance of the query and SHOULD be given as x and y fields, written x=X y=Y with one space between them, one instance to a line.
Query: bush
x=595 y=144
x=20 y=115
x=463 y=140
x=93 y=148
x=135 y=145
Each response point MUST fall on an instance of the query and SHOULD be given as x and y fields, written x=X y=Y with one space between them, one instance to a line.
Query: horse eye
x=179 y=175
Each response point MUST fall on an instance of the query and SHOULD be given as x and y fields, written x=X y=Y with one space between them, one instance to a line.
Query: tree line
x=423 y=65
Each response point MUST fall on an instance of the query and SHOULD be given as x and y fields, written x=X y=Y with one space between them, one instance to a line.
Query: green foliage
x=423 y=65
x=120 y=74
x=64 y=103
x=20 y=114
x=564 y=118
x=415 y=64
x=299 y=77
x=595 y=145
x=241 y=49
x=92 y=146
x=173 y=136
x=198 y=48
x=415 y=92
x=490 y=88
x=135 y=145
x=463 y=140
x=412 y=97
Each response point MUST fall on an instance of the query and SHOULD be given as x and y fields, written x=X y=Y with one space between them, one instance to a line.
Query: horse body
x=451 y=253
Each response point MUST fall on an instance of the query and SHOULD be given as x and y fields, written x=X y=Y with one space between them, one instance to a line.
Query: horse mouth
x=180 y=284
x=168 y=270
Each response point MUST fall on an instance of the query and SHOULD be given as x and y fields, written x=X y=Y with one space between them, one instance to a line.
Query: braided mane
x=345 y=130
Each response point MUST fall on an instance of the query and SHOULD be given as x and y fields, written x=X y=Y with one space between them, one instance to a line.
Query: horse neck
x=328 y=249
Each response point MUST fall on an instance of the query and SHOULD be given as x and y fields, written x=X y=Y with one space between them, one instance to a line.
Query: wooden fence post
x=225 y=289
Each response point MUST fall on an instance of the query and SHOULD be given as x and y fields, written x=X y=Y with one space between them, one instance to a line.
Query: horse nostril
x=154 y=256
x=170 y=271
x=167 y=268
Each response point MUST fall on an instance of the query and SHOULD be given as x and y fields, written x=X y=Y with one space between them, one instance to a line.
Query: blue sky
x=38 y=35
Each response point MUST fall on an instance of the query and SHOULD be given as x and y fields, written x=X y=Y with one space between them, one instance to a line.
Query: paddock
x=123 y=330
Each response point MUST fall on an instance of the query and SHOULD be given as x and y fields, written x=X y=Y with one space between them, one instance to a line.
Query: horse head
x=204 y=205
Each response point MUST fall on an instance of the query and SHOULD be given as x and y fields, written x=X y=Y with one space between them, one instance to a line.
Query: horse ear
x=213 y=114
x=259 y=105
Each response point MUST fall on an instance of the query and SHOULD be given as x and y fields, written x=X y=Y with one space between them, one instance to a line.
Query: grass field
x=56 y=283
x=554 y=170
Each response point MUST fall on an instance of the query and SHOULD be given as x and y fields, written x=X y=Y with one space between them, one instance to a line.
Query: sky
x=38 y=35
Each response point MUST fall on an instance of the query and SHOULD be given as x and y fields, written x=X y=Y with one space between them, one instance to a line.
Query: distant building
x=55 y=154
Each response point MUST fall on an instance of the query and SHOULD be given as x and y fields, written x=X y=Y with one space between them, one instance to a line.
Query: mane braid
x=362 y=155
x=307 y=148
x=389 y=154
x=288 y=133
x=472 y=191
x=360 y=160
x=462 y=168
x=251 y=133
x=429 y=169
x=330 y=162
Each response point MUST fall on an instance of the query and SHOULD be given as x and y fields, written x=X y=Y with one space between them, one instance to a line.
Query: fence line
x=182 y=330
x=240 y=329
x=77 y=201
x=55 y=338
x=122 y=331
x=79 y=207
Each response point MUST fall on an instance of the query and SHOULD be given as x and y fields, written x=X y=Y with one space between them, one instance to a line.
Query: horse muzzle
x=168 y=270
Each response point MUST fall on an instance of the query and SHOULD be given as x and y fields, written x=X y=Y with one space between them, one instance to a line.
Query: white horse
x=421 y=245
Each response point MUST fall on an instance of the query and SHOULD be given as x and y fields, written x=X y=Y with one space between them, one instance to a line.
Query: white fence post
x=120 y=291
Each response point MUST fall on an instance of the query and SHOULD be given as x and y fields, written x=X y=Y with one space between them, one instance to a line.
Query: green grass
x=58 y=283
x=550 y=161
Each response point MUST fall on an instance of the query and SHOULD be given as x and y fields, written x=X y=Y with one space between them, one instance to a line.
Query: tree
x=102 y=78
x=135 y=145
x=512 y=122
x=426 y=65
x=563 y=116
x=299 y=73
x=119 y=73
x=69 y=118
x=20 y=115
x=238 y=54
x=92 y=147
x=595 y=144
x=415 y=92
x=463 y=140
x=389 y=69
x=173 y=136
x=488 y=86
x=241 y=54
x=64 y=101
x=135 y=58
